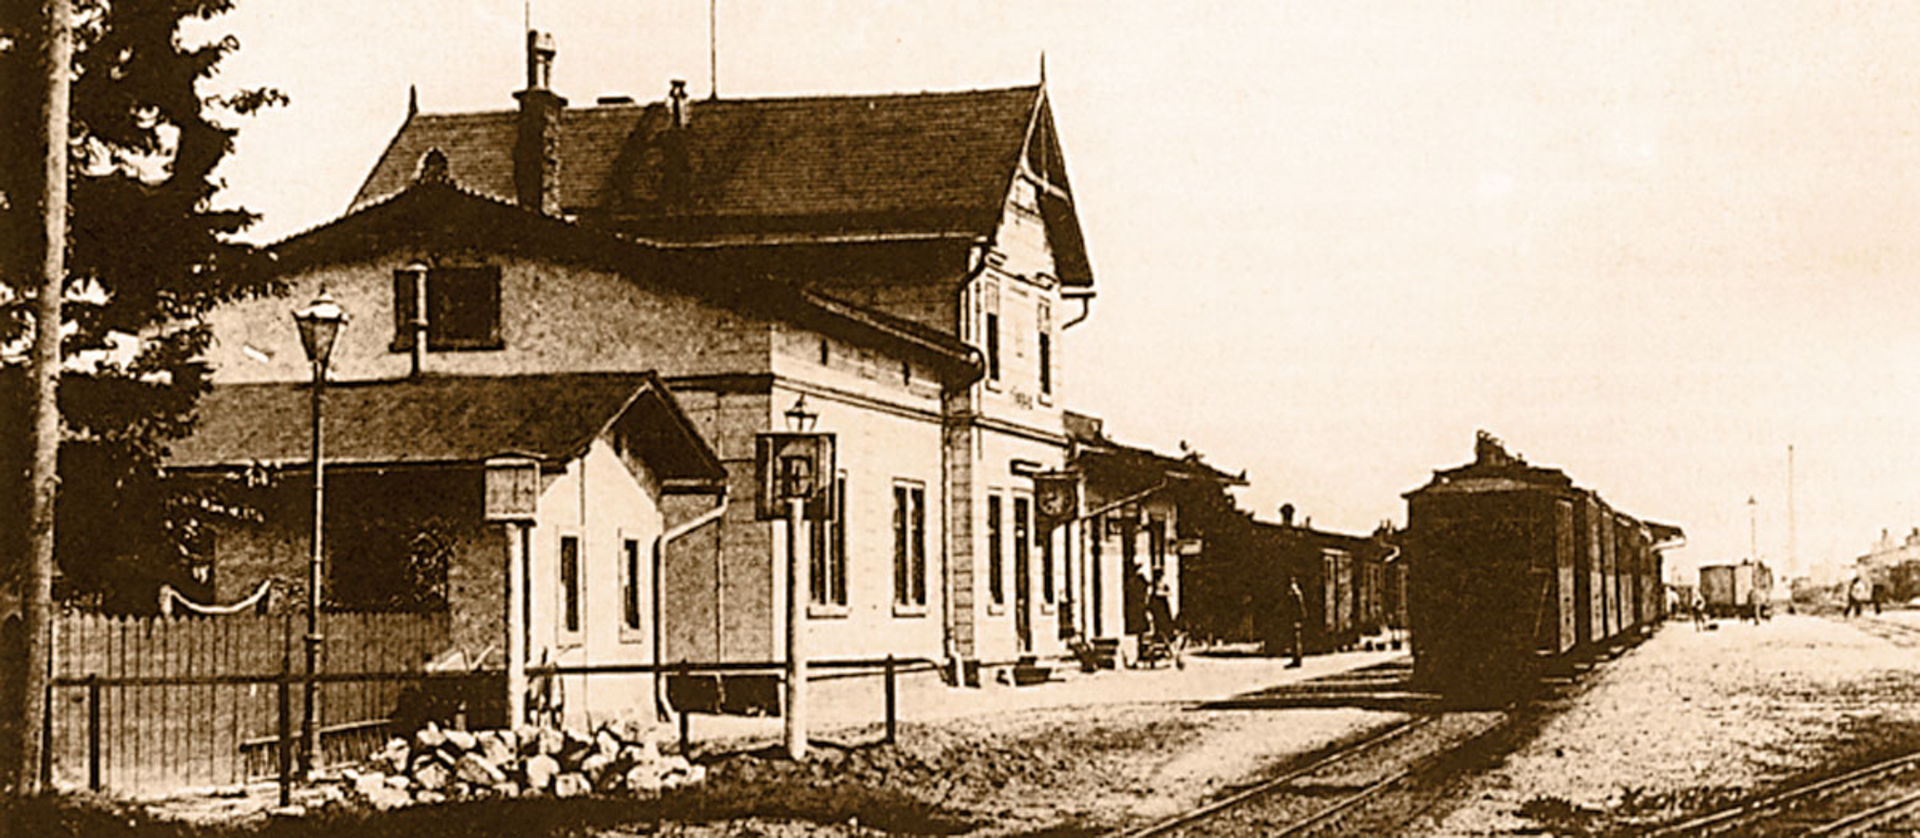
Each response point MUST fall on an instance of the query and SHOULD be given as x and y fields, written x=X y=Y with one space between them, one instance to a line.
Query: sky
x=1651 y=243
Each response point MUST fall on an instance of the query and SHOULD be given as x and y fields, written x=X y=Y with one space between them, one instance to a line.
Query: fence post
x=93 y=731
x=284 y=689
x=892 y=702
x=686 y=721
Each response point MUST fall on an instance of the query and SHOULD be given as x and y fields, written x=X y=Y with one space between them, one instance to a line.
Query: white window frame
x=913 y=538
x=836 y=537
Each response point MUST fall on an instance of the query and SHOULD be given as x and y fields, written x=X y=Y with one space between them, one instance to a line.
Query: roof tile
x=454 y=419
x=927 y=162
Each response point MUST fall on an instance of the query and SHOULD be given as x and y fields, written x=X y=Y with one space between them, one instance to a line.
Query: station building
x=902 y=265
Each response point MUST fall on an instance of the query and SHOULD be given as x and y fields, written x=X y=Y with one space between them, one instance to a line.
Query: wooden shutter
x=404 y=305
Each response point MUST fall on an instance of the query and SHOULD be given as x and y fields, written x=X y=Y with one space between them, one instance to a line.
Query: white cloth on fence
x=169 y=596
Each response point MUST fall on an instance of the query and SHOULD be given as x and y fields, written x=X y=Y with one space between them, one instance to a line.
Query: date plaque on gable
x=513 y=489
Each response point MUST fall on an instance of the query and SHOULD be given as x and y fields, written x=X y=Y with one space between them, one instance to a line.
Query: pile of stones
x=437 y=765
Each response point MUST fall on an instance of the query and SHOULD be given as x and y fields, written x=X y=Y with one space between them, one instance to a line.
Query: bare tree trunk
x=43 y=475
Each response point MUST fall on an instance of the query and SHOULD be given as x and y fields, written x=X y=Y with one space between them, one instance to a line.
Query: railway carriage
x=1514 y=569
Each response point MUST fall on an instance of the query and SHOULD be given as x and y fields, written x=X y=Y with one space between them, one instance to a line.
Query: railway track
x=1897 y=632
x=1326 y=794
x=1878 y=799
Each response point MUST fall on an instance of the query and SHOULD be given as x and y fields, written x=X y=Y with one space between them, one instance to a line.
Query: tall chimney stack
x=536 y=150
x=677 y=102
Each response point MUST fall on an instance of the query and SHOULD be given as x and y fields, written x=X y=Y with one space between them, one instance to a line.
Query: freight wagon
x=1731 y=590
x=1344 y=584
x=1513 y=570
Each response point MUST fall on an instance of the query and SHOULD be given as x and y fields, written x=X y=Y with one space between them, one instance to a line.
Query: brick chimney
x=676 y=176
x=536 y=147
x=677 y=103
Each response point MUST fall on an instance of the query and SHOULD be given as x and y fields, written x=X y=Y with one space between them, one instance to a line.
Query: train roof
x=1494 y=469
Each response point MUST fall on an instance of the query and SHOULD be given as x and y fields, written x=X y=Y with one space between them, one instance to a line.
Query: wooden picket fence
x=150 y=705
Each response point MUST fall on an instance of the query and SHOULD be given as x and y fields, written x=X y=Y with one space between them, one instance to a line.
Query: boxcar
x=1341 y=579
x=1731 y=589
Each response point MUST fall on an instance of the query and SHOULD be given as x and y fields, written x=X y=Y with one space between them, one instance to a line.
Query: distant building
x=1892 y=566
x=1140 y=520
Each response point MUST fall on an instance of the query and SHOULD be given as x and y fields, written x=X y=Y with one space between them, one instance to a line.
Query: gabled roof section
x=775 y=170
x=437 y=214
x=451 y=420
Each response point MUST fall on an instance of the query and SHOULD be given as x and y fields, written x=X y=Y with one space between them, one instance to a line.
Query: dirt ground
x=1077 y=756
x=1065 y=770
x=1692 y=720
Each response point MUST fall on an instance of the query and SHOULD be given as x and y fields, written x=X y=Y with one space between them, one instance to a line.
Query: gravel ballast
x=1692 y=720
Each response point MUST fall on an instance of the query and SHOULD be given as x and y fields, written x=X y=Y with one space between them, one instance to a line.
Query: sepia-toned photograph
x=709 y=418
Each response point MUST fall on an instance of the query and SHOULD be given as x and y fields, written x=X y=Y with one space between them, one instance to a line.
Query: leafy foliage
x=148 y=251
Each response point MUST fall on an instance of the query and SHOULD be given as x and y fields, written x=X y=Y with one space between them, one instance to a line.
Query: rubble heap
x=437 y=765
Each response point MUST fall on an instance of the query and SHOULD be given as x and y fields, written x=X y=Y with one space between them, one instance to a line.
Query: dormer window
x=463 y=308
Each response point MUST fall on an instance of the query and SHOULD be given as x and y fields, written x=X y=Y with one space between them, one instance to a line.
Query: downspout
x=978 y=256
x=659 y=561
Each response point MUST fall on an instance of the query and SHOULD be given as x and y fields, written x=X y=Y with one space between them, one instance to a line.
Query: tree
x=148 y=251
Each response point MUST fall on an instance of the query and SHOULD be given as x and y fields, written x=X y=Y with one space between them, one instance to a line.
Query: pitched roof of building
x=1306 y=533
x=445 y=214
x=445 y=420
x=773 y=170
x=1098 y=455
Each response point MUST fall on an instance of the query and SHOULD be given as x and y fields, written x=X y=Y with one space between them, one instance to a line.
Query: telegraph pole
x=45 y=409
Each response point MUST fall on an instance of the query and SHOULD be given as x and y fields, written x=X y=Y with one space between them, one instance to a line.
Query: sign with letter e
x=787 y=466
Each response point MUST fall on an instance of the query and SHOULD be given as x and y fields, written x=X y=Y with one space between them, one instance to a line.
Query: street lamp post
x=319 y=324
x=797 y=486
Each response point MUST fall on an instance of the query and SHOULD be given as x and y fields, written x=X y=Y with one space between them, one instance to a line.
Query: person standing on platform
x=1856 y=597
